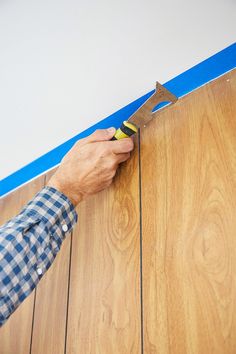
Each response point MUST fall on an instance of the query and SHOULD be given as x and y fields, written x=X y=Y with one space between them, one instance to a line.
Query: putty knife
x=144 y=114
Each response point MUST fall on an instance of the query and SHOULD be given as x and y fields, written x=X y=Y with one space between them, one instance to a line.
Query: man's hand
x=90 y=165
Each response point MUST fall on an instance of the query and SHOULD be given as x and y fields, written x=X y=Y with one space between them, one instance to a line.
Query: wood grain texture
x=104 y=298
x=188 y=204
x=188 y=165
x=15 y=335
x=50 y=314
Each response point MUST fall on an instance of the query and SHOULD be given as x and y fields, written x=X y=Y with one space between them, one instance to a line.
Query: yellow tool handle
x=127 y=129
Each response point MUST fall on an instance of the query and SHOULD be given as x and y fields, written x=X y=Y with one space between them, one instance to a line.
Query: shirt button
x=64 y=227
x=39 y=271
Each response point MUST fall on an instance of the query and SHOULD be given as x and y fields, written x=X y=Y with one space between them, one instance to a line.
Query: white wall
x=66 y=64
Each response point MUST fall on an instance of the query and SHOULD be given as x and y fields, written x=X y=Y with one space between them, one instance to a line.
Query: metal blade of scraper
x=144 y=114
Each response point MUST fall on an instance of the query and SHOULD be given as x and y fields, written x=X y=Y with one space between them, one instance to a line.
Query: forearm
x=29 y=243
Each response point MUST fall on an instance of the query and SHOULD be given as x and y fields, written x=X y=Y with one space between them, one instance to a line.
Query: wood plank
x=51 y=302
x=15 y=334
x=188 y=164
x=104 y=300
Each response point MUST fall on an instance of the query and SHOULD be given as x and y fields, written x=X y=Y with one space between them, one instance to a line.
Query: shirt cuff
x=53 y=208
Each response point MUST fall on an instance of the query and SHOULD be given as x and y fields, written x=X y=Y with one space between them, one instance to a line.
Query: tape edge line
x=184 y=83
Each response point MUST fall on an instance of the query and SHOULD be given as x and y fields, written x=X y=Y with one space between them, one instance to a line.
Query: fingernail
x=111 y=130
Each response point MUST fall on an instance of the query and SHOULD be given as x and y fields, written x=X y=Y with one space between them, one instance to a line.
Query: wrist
x=75 y=198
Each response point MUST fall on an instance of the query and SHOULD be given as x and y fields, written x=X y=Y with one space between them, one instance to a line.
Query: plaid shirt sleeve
x=29 y=243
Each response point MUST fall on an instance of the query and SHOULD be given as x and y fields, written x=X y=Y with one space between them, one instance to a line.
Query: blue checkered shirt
x=29 y=243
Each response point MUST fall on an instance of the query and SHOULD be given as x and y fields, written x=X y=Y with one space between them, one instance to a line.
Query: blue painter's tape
x=182 y=84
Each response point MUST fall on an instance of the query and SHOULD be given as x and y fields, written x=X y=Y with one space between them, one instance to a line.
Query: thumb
x=102 y=134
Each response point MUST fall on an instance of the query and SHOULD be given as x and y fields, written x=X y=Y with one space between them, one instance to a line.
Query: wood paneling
x=188 y=168
x=95 y=299
x=15 y=335
x=104 y=302
x=50 y=314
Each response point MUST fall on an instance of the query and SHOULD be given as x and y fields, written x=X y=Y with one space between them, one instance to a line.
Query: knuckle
x=112 y=163
x=113 y=173
x=127 y=156
x=128 y=144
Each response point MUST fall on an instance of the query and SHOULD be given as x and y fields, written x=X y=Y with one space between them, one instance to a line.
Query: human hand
x=90 y=165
